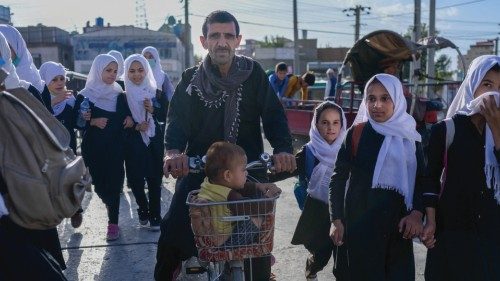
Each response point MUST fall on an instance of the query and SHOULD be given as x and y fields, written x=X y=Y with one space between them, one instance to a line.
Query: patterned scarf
x=214 y=90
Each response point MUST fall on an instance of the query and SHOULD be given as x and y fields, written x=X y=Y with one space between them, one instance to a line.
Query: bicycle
x=217 y=255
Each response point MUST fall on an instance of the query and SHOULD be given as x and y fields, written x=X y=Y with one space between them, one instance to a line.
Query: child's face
x=136 y=73
x=490 y=82
x=281 y=74
x=238 y=173
x=109 y=73
x=379 y=103
x=329 y=125
x=57 y=85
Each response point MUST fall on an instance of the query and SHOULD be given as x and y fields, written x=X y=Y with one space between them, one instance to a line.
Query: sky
x=462 y=21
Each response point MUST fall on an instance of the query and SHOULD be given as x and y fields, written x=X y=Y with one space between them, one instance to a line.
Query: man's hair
x=309 y=78
x=281 y=66
x=221 y=157
x=219 y=17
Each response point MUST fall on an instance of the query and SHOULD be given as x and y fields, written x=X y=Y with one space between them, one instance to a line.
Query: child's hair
x=328 y=105
x=221 y=157
x=309 y=78
x=281 y=66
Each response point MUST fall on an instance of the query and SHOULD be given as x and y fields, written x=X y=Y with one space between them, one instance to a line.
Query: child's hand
x=61 y=97
x=86 y=115
x=128 y=122
x=337 y=232
x=268 y=189
x=99 y=122
x=142 y=126
x=148 y=105
x=411 y=225
x=427 y=236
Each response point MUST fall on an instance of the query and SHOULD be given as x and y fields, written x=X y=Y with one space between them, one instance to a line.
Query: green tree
x=273 y=42
x=442 y=66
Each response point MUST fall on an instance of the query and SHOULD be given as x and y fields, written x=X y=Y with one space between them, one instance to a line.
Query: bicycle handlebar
x=197 y=164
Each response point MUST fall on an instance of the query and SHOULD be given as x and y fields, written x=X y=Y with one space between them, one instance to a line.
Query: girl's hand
x=337 y=232
x=427 y=236
x=148 y=105
x=99 y=122
x=491 y=113
x=411 y=225
x=142 y=127
x=87 y=115
x=128 y=122
x=61 y=97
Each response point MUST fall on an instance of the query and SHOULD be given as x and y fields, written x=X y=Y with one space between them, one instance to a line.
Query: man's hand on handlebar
x=284 y=162
x=175 y=163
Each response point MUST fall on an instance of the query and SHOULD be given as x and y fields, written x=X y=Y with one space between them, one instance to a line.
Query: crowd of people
x=367 y=191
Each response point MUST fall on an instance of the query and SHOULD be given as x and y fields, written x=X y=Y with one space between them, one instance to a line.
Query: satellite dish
x=171 y=20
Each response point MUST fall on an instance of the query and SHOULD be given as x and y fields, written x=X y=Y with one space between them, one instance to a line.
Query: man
x=223 y=99
x=301 y=83
x=279 y=80
x=331 y=84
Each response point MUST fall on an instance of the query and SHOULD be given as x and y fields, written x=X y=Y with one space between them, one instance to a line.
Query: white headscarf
x=319 y=183
x=158 y=72
x=396 y=165
x=464 y=103
x=48 y=71
x=119 y=58
x=136 y=94
x=12 y=81
x=25 y=69
x=103 y=96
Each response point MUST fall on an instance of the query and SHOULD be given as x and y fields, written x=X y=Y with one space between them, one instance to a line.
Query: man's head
x=281 y=69
x=221 y=37
x=226 y=165
x=308 y=78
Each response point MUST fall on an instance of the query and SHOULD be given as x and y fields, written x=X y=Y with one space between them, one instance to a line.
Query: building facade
x=480 y=48
x=128 y=40
x=48 y=43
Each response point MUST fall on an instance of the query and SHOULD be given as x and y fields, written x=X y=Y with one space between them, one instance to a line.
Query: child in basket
x=225 y=180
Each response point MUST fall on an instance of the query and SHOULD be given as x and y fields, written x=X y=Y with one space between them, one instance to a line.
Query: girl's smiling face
x=329 y=124
x=136 y=73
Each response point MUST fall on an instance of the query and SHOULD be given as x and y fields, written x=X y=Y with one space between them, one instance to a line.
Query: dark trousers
x=110 y=196
x=145 y=163
x=29 y=254
x=176 y=242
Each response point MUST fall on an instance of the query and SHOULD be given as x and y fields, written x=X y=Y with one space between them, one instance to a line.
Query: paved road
x=132 y=257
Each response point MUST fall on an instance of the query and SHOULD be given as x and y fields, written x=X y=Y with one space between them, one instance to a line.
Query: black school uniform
x=102 y=150
x=467 y=214
x=67 y=117
x=376 y=250
x=146 y=162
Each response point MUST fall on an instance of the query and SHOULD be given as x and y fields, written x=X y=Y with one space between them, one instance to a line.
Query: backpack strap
x=450 y=135
x=309 y=161
x=356 y=136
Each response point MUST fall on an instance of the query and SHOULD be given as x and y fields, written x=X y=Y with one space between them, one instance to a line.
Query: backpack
x=43 y=179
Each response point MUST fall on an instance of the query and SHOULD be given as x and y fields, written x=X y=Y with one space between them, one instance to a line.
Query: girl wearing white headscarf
x=144 y=142
x=103 y=139
x=23 y=61
x=13 y=81
x=62 y=101
x=163 y=83
x=119 y=59
x=315 y=164
x=466 y=205
x=382 y=209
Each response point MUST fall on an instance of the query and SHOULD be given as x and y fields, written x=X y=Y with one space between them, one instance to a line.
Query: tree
x=442 y=66
x=273 y=42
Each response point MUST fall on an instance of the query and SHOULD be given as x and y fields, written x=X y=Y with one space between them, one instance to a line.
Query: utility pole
x=430 y=51
x=187 y=35
x=296 y=58
x=356 y=11
x=416 y=36
x=496 y=46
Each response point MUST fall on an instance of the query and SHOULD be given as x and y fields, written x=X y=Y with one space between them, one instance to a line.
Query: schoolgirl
x=466 y=245
x=328 y=129
x=119 y=59
x=62 y=101
x=23 y=62
x=21 y=247
x=144 y=142
x=103 y=139
x=165 y=89
x=383 y=208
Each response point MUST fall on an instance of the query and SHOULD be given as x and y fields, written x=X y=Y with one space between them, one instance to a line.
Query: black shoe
x=154 y=224
x=143 y=216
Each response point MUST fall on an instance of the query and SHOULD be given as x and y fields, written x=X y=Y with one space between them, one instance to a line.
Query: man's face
x=221 y=42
